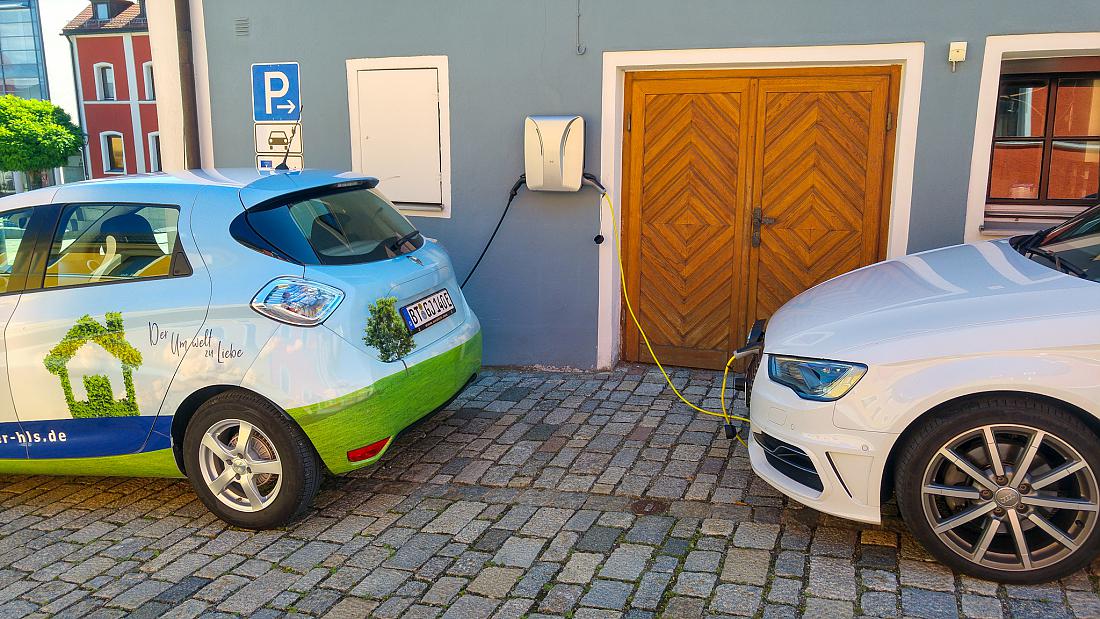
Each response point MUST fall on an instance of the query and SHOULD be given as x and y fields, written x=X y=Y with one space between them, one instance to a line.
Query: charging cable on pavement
x=731 y=432
x=749 y=351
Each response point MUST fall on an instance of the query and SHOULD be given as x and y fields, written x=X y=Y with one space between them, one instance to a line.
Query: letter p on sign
x=273 y=92
x=276 y=92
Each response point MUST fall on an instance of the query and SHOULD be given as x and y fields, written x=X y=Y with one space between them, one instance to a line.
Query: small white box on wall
x=553 y=152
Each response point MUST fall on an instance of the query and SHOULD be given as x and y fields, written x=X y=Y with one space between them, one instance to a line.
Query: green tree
x=35 y=136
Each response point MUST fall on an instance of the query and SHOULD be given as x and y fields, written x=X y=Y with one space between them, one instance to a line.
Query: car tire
x=268 y=483
x=977 y=526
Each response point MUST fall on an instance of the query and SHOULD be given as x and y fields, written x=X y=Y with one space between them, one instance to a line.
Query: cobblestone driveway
x=515 y=501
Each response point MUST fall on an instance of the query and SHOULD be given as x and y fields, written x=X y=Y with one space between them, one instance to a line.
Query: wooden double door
x=741 y=190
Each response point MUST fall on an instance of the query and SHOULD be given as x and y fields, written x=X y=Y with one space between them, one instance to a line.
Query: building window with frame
x=154 y=152
x=150 y=84
x=102 y=11
x=114 y=153
x=105 y=81
x=1045 y=159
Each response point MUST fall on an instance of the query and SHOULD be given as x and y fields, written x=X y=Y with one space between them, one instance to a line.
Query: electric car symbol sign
x=276 y=92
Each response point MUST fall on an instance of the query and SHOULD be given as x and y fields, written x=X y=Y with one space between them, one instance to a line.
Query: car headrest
x=130 y=228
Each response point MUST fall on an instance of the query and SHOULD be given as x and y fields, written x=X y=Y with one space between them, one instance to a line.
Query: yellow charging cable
x=626 y=298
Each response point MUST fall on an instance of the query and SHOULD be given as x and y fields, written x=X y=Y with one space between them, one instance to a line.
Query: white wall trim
x=615 y=66
x=103 y=35
x=99 y=81
x=105 y=152
x=135 y=111
x=997 y=49
x=354 y=65
x=201 y=65
x=85 y=153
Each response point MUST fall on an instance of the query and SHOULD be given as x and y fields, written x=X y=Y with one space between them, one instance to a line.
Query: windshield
x=1073 y=247
x=1076 y=243
x=342 y=227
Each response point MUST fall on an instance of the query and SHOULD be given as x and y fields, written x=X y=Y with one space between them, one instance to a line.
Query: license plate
x=420 y=315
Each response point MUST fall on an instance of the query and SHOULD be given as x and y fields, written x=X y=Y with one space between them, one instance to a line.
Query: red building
x=115 y=88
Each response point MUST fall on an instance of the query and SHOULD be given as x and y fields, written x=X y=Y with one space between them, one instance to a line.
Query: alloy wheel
x=240 y=465
x=1010 y=497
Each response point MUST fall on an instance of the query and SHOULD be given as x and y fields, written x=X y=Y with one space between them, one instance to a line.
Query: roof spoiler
x=294 y=187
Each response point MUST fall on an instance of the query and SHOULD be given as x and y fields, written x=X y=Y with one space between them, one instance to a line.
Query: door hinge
x=629 y=117
x=889 y=121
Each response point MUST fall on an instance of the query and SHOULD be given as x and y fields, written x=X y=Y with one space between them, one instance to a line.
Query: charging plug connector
x=741 y=434
x=594 y=180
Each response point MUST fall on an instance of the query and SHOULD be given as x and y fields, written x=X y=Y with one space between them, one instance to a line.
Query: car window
x=13 y=227
x=96 y=243
x=342 y=227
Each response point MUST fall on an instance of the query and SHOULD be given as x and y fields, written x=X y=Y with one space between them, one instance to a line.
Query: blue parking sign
x=276 y=92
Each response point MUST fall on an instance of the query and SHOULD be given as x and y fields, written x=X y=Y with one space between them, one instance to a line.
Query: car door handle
x=759 y=221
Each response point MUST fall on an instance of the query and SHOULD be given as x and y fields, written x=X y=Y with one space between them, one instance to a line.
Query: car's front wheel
x=1003 y=488
x=248 y=462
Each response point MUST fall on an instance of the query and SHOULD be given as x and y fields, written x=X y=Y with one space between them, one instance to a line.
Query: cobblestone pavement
x=515 y=501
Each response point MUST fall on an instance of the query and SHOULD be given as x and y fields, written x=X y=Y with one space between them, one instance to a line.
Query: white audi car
x=967 y=381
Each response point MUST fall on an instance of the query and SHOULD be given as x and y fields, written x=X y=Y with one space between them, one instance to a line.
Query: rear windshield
x=342 y=227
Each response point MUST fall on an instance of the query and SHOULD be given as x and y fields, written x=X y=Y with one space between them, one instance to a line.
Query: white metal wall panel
x=399 y=139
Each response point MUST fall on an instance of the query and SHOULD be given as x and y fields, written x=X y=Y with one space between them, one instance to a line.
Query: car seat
x=130 y=246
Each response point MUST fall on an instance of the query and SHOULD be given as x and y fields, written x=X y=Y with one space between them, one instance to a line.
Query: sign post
x=277 y=114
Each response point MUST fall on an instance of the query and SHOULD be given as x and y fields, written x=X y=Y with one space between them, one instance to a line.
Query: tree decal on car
x=387 y=332
x=101 y=400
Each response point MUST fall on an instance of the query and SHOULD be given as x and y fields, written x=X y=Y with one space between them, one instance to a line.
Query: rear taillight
x=367 y=452
x=297 y=301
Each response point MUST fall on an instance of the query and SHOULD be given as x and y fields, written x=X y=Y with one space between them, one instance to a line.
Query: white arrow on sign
x=288 y=106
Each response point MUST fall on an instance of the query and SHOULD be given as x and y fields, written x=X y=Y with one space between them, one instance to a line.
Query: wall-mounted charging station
x=553 y=152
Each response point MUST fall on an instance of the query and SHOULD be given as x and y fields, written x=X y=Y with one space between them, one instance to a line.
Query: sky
x=59 y=64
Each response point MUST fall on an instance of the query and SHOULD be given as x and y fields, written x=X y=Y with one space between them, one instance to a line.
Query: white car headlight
x=297 y=301
x=815 y=379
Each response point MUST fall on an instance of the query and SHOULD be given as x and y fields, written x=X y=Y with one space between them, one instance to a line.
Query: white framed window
x=104 y=81
x=400 y=129
x=1051 y=174
x=114 y=152
x=154 y=151
x=150 y=83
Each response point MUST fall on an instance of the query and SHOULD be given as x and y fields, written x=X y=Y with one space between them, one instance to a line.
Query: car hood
x=945 y=301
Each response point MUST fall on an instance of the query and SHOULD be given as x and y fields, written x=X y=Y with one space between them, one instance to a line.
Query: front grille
x=789 y=460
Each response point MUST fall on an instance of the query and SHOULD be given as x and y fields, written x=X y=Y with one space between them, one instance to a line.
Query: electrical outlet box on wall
x=553 y=152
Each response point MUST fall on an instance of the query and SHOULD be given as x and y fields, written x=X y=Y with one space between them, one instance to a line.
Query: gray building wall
x=536 y=291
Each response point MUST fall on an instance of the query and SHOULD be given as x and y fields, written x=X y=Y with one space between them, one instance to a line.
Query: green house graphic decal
x=101 y=400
